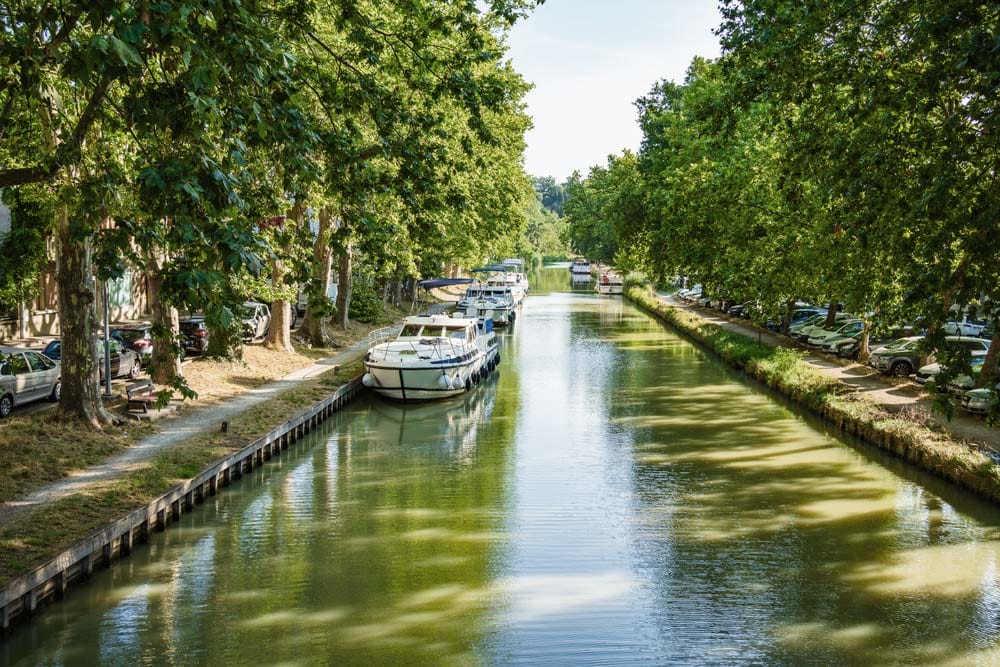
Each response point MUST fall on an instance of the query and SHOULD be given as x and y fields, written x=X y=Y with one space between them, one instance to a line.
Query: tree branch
x=68 y=152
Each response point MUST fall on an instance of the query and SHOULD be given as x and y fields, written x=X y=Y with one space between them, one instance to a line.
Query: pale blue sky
x=590 y=60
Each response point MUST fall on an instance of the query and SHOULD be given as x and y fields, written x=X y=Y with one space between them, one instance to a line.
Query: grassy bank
x=785 y=371
x=30 y=540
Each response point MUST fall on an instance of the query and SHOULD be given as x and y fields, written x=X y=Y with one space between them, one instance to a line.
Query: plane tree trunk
x=322 y=264
x=165 y=366
x=345 y=285
x=81 y=394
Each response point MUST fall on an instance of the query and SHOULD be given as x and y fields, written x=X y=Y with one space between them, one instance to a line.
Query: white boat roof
x=439 y=320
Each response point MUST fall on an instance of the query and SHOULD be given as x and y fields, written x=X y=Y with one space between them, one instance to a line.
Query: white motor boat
x=610 y=283
x=496 y=303
x=515 y=282
x=580 y=266
x=432 y=356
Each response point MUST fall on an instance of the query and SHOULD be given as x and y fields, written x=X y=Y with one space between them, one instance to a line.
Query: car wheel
x=136 y=370
x=56 y=392
x=6 y=405
x=901 y=369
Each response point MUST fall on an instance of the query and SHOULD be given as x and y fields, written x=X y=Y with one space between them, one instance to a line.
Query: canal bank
x=59 y=543
x=784 y=371
x=617 y=495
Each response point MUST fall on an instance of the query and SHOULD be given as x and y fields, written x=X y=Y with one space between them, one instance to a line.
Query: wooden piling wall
x=20 y=599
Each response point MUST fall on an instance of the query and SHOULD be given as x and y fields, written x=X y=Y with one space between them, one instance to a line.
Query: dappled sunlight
x=298 y=617
x=531 y=598
x=946 y=570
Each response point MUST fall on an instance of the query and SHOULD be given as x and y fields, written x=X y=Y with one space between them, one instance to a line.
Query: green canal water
x=614 y=497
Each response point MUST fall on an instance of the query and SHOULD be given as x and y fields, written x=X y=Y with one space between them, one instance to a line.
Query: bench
x=140 y=394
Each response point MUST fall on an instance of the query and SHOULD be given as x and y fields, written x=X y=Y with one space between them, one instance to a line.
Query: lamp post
x=107 y=344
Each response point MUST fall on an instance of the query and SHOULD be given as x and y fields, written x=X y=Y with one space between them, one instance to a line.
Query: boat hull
x=423 y=383
x=610 y=289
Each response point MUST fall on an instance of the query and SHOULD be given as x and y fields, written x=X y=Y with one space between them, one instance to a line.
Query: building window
x=48 y=291
x=120 y=291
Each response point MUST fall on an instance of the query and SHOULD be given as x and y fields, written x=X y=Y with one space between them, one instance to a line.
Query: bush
x=366 y=304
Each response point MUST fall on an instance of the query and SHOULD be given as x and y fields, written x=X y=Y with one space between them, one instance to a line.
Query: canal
x=615 y=496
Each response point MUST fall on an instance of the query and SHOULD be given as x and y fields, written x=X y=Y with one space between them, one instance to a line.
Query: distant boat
x=610 y=283
x=495 y=299
x=507 y=275
x=432 y=356
x=580 y=266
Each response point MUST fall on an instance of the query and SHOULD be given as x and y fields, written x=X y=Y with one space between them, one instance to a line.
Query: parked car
x=683 y=292
x=26 y=376
x=927 y=373
x=966 y=325
x=124 y=361
x=799 y=316
x=796 y=326
x=805 y=333
x=138 y=338
x=964 y=383
x=979 y=401
x=194 y=331
x=737 y=310
x=843 y=345
x=847 y=328
x=850 y=347
x=256 y=320
x=903 y=358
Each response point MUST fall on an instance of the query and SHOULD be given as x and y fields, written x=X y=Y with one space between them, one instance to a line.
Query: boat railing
x=443 y=346
x=383 y=335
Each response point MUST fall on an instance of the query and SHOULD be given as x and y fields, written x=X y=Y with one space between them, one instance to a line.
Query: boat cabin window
x=411 y=330
x=456 y=333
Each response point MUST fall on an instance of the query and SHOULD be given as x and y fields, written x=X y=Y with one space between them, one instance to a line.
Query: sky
x=590 y=60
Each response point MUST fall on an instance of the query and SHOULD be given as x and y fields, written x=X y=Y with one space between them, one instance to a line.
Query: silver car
x=25 y=376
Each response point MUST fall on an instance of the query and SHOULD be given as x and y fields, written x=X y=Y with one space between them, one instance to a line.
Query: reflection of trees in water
x=763 y=540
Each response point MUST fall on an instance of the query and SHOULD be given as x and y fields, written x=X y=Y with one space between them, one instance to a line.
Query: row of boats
x=439 y=355
x=608 y=282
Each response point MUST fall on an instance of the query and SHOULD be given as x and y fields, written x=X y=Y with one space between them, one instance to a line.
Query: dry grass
x=39 y=448
x=215 y=381
x=31 y=539
x=36 y=449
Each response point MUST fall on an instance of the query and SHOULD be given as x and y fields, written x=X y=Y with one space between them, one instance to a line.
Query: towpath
x=178 y=429
x=906 y=397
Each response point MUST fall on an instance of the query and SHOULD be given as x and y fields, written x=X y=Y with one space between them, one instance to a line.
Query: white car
x=966 y=326
x=25 y=376
x=846 y=329
x=927 y=373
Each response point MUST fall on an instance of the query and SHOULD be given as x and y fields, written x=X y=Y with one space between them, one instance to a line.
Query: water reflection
x=614 y=496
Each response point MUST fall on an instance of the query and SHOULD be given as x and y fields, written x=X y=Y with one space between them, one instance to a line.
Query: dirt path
x=179 y=428
x=893 y=396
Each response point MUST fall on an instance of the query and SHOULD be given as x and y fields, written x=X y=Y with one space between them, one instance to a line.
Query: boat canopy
x=434 y=283
x=499 y=268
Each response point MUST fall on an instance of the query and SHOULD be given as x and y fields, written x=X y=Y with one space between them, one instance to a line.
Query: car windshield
x=190 y=326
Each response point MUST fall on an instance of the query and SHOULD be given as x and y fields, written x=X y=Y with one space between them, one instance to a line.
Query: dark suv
x=139 y=338
x=194 y=331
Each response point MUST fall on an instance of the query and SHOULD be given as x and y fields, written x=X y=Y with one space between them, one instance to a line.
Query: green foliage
x=551 y=195
x=366 y=303
x=23 y=255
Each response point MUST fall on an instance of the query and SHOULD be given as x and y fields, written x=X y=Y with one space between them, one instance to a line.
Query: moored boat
x=580 y=266
x=610 y=283
x=431 y=357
